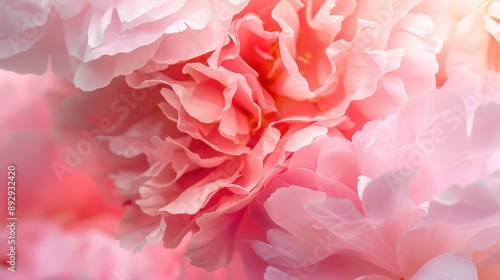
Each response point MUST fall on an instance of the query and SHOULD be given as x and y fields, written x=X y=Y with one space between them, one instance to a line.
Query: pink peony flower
x=175 y=183
x=64 y=227
x=474 y=41
x=231 y=118
x=93 y=42
x=414 y=196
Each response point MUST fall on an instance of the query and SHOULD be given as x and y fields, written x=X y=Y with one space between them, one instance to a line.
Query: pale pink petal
x=453 y=265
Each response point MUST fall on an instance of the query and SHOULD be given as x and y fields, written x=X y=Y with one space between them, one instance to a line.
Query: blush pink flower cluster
x=308 y=139
x=64 y=227
x=286 y=73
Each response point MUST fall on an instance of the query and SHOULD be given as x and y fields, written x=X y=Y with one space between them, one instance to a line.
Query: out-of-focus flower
x=474 y=41
x=26 y=142
x=413 y=196
x=92 y=42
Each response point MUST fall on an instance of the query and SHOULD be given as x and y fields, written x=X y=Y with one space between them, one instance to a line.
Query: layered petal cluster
x=175 y=183
x=306 y=136
x=414 y=196
x=65 y=228
x=92 y=42
x=286 y=73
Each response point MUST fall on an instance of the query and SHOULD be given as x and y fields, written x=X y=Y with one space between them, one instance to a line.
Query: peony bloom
x=333 y=58
x=474 y=41
x=230 y=119
x=65 y=228
x=91 y=42
x=414 y=196
x=174 y=184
